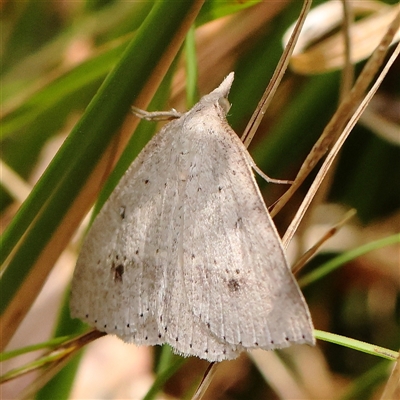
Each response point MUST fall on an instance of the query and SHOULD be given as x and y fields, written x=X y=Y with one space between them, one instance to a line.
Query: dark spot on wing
x=233 y=285
x=146 y=181
x=118 y=271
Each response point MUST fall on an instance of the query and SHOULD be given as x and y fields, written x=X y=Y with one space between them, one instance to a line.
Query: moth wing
x=129 y=275
x=238 y=282
x=119 y=280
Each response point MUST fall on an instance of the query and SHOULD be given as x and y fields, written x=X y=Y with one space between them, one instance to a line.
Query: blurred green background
x=54 y=58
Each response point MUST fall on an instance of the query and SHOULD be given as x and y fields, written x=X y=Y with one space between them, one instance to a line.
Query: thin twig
x=345 y=110
x=280 y=70
x=335 y=149
x=205 y=383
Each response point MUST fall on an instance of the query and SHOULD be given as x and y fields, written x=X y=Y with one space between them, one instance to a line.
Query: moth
x=185 y=252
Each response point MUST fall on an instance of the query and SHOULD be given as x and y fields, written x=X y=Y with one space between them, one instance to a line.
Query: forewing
x=128 y=280
x=236 y=275
x=120 y=277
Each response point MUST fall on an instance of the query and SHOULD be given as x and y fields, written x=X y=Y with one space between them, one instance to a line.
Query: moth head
x=218 y=96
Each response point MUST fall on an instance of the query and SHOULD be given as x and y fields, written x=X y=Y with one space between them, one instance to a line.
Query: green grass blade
x=191 y=68
x=357 y=345
x=344 y=258
x=162 y=378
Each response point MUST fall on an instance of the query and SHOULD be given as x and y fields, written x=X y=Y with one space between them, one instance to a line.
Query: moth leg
x=156 y=115
x=266 y=177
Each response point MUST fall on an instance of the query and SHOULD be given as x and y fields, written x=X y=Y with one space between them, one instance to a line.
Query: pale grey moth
x=184 y=251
